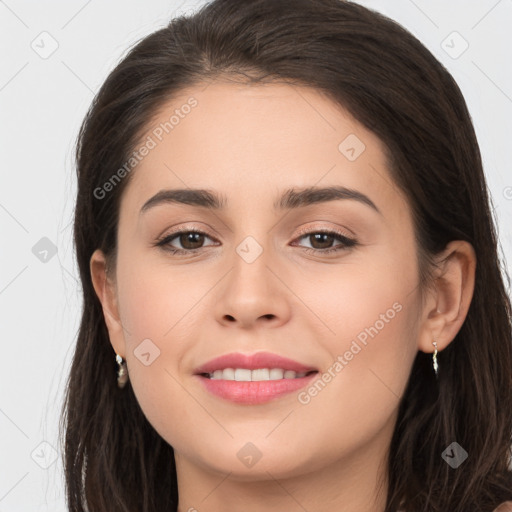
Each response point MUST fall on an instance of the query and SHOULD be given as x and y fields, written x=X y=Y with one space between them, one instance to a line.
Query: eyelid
x=347 y=241
x=319 y=229
x=187 y=227
x=302 y=231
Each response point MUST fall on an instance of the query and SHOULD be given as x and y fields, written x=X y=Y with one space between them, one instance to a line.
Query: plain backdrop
x=55 y=55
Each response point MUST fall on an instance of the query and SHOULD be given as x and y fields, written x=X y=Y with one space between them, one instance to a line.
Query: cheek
x=362 y=297
x=369 y=316
x=162 y=308
x=156 y=298
x=358 y=392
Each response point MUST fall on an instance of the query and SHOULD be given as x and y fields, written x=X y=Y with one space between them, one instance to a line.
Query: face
x=326 y=280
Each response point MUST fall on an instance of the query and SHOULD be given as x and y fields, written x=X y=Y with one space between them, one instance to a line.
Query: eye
x=322 y=239
x=192 y=240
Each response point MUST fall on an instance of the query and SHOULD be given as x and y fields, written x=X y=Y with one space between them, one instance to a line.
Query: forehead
x=249 y=141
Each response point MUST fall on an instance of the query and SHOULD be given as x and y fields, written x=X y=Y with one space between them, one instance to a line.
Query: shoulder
x=506 y=506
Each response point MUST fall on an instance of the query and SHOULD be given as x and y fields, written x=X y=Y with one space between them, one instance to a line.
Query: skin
x=250 y=143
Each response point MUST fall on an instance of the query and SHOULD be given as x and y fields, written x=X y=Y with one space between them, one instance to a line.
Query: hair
x=388 y=81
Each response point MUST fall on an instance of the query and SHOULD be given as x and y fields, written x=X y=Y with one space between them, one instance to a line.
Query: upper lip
x=252 y=362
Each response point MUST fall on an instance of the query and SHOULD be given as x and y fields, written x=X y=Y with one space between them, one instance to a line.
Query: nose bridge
x=251 y=289
x=250 y=261
x=252 y=237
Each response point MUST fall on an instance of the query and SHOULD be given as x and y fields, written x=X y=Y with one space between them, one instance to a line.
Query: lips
x=245 y=391
x=252 y=362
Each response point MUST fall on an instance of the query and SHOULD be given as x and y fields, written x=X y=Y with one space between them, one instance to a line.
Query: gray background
x=43 y=99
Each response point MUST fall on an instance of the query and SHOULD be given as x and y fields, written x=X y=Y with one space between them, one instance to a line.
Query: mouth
x=236 y=366
x=240 y=387
x=255 y=375
x=253 y=378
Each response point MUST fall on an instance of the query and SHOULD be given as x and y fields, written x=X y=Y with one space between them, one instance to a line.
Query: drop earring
x=434 y=358
x=122 y=372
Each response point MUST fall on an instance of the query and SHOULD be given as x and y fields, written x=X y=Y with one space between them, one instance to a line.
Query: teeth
x=243 y=374
x=230 y=374
x=275 y=374
x=260 y=374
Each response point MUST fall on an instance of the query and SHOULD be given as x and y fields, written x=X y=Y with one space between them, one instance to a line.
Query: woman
x=287 y=253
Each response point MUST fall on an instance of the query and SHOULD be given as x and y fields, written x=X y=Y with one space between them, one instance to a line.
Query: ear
x=448 y=300
x=105 y=289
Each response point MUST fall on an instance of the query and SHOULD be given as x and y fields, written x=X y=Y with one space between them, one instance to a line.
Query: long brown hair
x=114 y=460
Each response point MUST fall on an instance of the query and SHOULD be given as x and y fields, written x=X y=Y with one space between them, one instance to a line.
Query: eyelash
x=346 y=242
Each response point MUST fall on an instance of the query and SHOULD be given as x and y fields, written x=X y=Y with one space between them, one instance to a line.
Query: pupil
x=196 y=240
x=319 y=236
x=191 y=238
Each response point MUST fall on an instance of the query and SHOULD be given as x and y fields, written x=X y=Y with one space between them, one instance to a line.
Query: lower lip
x=252 y=393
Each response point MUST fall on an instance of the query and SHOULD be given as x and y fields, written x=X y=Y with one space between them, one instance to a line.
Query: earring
x=434 y=358
x=122 y=372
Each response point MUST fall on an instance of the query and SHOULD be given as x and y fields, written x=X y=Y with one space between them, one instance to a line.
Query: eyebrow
x=290 y=199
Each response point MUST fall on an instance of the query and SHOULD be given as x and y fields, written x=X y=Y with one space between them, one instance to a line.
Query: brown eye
x=191 y=240
x=321 y=240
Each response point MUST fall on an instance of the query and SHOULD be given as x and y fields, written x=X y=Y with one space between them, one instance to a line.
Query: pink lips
x=252 y=362
x=252 y=393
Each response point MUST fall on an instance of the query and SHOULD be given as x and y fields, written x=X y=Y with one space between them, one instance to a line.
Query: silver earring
x=434 y=358
x=122 y=372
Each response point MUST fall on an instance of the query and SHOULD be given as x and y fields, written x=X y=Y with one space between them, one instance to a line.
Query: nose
x=252 y=293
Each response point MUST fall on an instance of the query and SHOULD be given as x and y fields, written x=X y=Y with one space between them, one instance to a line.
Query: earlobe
x=106 y=292
x=451 y=295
